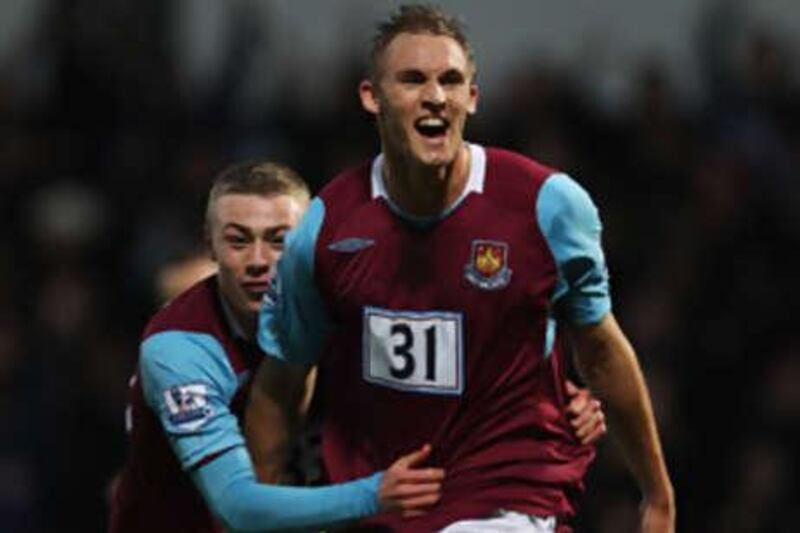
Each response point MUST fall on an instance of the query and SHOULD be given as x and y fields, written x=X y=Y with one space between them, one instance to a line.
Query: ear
x=369 y=97
x=472 y=106
x=208 y=242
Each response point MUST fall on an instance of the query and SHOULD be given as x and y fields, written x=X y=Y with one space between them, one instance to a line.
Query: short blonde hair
x=416 y=19
x=259 y=177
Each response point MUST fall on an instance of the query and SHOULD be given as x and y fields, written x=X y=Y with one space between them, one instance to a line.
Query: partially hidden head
x=251 y=207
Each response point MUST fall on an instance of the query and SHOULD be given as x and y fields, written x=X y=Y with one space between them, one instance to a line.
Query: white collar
x=477 y=176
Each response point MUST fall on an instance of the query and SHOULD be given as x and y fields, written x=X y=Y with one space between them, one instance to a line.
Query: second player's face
x=424 y=95
x=247 y=234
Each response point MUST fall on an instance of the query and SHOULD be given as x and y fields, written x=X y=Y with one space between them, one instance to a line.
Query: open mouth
x=432 y=127
x=255 y=290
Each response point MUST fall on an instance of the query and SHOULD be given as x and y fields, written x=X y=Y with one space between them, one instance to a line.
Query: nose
x=261 y=259
x=433 y=98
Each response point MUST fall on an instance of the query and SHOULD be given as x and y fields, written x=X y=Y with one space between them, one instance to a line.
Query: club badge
x=488 y=265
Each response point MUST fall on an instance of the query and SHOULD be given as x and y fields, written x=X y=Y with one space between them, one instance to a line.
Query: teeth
x=432 y=122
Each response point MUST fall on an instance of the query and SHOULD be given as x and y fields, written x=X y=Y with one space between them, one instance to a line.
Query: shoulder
x=181 y=373
x=513 y=179
x=348 y=197
x=563 y=198
x=177 y=357
x=195 y=309
x=351 y=184
x=511 y=166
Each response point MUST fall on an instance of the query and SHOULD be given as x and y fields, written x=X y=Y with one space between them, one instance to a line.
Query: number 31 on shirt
x=415 y=351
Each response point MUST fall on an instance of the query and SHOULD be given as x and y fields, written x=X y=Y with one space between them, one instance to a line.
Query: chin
x=437 y=159
x=440 y=155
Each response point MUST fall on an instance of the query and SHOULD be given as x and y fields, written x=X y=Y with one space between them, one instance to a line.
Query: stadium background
x=681 y=118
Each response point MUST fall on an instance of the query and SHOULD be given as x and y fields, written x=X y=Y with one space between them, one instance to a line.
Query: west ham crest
x=488 y=265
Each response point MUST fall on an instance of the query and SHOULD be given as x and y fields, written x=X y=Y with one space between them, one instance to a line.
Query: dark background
x=107 y=147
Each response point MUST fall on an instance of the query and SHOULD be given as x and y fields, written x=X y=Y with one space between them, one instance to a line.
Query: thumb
x=417 y=456
x=572 y=389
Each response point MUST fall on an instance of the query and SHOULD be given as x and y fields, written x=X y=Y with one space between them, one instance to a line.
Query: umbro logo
x=351 y=245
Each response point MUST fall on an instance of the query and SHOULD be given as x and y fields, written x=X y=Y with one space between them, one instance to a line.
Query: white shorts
x=506 y=521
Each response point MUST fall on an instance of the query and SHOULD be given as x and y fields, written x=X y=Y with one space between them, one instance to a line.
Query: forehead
x=256 y=211
x=425 y=52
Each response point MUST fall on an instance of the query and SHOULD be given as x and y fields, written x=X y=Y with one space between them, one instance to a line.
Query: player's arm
x=571 y=225
x=279 y=399
x=233 y=494
x=189 y=384
x=609 y=365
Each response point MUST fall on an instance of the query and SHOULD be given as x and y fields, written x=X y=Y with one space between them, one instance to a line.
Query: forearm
x=278 y=402
x=242 y=504
x=610 y=367
x=268 y=434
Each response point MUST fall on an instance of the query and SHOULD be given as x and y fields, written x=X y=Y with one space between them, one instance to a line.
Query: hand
x=409 y=489
x=585 y=414
x=658 y=517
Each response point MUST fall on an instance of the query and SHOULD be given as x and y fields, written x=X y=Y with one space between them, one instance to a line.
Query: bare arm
x=609 y=365
x=279 y=399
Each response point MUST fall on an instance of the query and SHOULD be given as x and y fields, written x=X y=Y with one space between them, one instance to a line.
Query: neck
x=422 y=190
x=242 y=323
x=248 y=322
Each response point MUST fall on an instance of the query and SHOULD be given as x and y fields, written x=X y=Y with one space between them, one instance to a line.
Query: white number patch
x=414 y=351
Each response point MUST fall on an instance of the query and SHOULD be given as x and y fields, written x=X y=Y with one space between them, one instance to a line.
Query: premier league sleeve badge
x=187 y=406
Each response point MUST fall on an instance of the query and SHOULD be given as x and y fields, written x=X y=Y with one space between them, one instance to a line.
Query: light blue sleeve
x=233 y=494
x=571 y=225
x=189 y=383
x=293 y=320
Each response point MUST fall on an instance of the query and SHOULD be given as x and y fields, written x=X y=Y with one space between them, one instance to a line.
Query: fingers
x=409 y=488
x=585 y=414
x=418 y=505
x=419 y=475
x=408 y=492
x=396 y=494
x=406 y=470
x=590 y=425
x=595 y=434
x=578 y=404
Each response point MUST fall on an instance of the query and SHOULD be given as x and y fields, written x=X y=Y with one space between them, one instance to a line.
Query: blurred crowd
x=106 y=154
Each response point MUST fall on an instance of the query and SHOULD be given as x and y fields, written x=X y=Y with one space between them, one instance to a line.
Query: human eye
x=278 y=240
x=235 y=241
x=452 y=77
x=411 y=77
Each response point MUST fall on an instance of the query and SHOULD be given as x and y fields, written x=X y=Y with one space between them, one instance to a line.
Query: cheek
x=393 y=125
x=397 y=107
x=229 y=264
x=464 y=105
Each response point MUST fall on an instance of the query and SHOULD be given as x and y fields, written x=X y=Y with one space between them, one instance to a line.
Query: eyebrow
x=450 y=75
x=251 y=231
x=410 y=73
x=239 y=227
x=453 y=75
